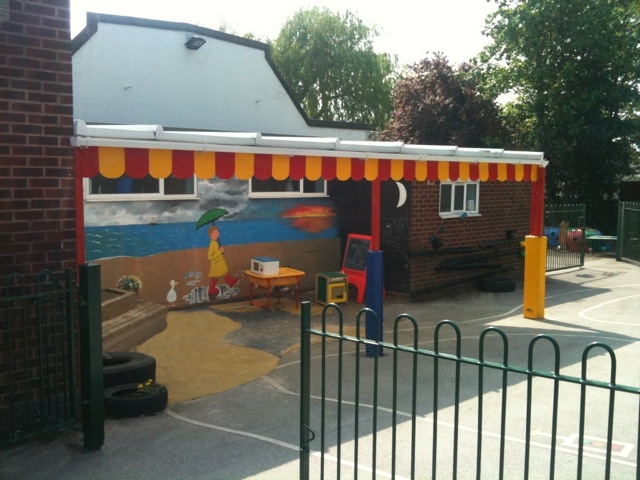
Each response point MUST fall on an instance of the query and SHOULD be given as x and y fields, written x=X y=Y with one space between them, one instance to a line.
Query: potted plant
x=129 y=282
x=134 y=400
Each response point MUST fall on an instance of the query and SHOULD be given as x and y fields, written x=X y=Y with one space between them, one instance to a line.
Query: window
x=287 y=188
x=457 y=198
x=147 y=188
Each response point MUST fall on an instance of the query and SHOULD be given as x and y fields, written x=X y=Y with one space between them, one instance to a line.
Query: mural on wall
x=215 y=254
x=219 y=269
x=156 y=240
x=198 y=293
x=172 y=296
x=311 y=219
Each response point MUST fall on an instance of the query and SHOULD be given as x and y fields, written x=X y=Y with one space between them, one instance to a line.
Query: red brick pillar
x=37 y=209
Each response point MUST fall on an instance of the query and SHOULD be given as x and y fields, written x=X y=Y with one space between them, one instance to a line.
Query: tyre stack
x=122 y=373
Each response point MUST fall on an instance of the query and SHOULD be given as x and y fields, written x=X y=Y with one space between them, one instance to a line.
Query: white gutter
x=155 y=137
x=139 y=132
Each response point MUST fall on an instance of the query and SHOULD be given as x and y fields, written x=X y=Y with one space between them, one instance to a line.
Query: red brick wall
x=490 y=239
x=37 y=210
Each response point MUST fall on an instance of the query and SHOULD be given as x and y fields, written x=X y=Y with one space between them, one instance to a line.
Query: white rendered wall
x=138 y=75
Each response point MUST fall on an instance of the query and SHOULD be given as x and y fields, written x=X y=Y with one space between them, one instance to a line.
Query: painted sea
x=144 y=240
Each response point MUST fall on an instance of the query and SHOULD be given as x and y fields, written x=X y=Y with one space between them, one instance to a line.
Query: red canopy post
x=375 y=214
x=535 y=261
x=374 y=286
x=536 y=222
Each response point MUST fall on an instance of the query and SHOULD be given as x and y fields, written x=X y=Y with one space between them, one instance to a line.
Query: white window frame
x=470 y=206
x=128 y=197
x=287 y=194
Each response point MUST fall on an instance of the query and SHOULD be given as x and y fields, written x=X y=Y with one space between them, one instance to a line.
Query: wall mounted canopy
x=195 y=42
x=138 y=150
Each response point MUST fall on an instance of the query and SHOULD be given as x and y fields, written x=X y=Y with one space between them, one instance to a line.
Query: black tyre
x=119 y=401
x=120 y=368
x=497 y=284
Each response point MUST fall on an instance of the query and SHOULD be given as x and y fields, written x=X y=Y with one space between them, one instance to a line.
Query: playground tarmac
x=233 y=377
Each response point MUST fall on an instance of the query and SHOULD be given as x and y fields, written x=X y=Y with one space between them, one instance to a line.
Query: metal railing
x=42 y=323
x=628 y=235
x=565 y=232
x=37 y=323
x=430 y=414
x=602 y=216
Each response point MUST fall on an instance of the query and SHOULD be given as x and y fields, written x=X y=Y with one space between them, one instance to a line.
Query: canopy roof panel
x=138 y=150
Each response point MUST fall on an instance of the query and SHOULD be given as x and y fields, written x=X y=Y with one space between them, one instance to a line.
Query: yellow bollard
x=535 y=267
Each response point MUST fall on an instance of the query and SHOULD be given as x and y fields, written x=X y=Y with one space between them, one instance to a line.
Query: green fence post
x=69 y=276
x=619 y=231
x=92 y=384
x=305 y=388
x=583 y=227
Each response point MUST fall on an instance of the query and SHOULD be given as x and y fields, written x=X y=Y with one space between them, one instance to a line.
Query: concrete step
x=132 y=328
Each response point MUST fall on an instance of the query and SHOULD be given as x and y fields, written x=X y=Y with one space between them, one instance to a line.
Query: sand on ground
x=193 y=361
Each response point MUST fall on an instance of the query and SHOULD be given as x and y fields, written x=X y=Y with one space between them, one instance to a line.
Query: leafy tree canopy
x=572 y=70
x=437 y=104
x=328 y=61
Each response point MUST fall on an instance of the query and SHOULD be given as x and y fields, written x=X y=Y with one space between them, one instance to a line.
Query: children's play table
x=286 y=277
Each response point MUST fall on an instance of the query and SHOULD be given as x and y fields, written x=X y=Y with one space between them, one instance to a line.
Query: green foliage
x=573 y=72
x=147 y=388
x=437 y=104
x=129 y=282
x=327 y=59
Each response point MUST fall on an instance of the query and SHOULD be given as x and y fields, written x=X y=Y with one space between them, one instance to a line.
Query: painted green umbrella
x=210 y=216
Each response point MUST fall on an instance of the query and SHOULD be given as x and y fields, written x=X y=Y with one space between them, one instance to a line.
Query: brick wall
x=37 y=210
x=483 y=243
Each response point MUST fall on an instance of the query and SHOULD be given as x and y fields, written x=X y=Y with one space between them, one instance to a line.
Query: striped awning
x=114 y=162
x=139 y=150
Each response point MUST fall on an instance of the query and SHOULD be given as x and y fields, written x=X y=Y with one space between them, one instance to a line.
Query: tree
x=328 y=61
x=573 y=69
x=435 y=104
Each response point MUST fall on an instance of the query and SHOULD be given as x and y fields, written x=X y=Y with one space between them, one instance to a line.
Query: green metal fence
x=438 y=414
x=568 y=228
x=565 y=226
x=628 y=234
x=38 y=348
x=602 y=216
x=39 y=325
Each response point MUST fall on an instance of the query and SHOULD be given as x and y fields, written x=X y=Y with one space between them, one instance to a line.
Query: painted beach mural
x=187 y=252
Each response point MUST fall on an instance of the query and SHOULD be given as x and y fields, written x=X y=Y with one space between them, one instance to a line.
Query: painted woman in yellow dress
x=219 y=268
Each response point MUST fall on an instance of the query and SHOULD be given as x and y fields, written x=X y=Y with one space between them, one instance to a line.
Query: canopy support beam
x=535 y=262
x=374 y=286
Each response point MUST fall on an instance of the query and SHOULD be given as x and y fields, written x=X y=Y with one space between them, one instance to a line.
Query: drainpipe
x=79 y=204
x=535 y=258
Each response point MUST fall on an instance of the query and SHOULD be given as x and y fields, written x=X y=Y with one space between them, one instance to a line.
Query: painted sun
x=312 y=219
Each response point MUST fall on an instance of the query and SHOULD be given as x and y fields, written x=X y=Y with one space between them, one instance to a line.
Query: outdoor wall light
x=195 y=42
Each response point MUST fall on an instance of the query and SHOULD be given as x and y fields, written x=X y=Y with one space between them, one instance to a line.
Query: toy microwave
x=265 y=265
